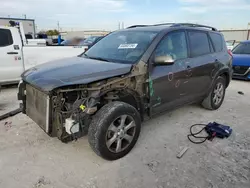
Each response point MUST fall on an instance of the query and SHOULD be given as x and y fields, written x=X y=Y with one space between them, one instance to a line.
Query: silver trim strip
x=47 y=114
x=248 y=70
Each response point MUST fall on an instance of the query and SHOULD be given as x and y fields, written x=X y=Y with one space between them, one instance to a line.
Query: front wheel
x=216 y=96
x=114 y=130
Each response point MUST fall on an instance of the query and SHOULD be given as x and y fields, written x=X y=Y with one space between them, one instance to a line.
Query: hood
x=71 y=71
x=241 y=60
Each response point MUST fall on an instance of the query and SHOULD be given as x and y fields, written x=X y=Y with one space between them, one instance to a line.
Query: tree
x=52 y=32
x=56 y=32
x=49 y=32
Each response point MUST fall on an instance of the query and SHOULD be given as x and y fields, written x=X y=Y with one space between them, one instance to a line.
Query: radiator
x=37 y=107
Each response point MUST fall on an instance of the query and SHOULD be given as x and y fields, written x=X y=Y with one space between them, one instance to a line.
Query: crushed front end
x=66 y=110
x=65 y=113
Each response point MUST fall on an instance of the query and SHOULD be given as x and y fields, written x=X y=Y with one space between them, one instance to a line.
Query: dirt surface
x=31 y=159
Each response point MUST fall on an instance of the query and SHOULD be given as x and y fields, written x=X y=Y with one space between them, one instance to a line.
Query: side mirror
x=164 y=60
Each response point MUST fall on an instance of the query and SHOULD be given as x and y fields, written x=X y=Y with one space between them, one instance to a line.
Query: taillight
x=230 y=52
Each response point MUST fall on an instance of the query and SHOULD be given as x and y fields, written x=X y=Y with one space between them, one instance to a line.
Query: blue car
x=241 y=61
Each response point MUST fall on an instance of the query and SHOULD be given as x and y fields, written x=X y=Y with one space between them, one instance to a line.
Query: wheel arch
x=224 y=73
x=128 y=96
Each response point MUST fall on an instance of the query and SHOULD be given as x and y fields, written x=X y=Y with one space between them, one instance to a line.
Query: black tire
x=98 y=129
x=208 y=102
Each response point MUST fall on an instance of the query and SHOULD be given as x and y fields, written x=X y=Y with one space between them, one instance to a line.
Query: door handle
x=12 y=53
x=189 y=71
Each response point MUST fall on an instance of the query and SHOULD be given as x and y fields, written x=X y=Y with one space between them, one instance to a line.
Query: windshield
x=122 y=46
x=242 y=48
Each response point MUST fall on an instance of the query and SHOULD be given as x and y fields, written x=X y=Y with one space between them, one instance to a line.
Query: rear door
x=201 y=62
x=11 y=65
x=220 y=54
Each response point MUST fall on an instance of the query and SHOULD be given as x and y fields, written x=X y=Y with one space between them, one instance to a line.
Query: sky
x=106 y=14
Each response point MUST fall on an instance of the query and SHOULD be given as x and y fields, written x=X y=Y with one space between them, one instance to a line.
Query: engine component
x=71 y=126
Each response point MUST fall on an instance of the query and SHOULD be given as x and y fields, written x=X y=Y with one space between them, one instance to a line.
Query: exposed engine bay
x=71 y=114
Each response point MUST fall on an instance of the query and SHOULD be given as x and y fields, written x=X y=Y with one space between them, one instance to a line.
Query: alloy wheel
x=120 y=133
x=218 y=93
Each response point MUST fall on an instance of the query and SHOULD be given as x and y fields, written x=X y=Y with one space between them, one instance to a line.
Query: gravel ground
x=31 y=159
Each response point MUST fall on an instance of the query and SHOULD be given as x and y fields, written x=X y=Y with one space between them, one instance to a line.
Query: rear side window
x=199 y=43
x=217 y=41
x=5 y=38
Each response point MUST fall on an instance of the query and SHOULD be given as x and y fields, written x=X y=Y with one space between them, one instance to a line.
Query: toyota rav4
x=127 y=77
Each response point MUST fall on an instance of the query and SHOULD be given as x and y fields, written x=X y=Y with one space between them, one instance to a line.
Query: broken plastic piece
x=182 y=152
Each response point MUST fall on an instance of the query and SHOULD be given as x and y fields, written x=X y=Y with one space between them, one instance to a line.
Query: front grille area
x=240 y=69
x=37 y=106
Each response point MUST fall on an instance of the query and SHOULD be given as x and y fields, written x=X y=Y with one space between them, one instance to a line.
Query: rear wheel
x=114 y=130
x=216 y=97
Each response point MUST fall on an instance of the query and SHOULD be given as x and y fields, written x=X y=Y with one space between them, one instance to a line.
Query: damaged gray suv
x=127 y=77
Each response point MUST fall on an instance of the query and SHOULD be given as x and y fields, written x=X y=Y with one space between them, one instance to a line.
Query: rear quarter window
x=199 y=43
x=217 y=41
x=5 y=38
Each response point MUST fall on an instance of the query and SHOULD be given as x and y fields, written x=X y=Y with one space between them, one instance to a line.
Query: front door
x=169 y=84
x=10 y=58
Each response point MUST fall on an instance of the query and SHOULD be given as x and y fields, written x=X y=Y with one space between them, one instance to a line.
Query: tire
x=107 y=126
x=209 y=102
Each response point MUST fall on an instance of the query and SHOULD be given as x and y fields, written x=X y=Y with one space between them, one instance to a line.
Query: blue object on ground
x=218 y=130
x=213 y=130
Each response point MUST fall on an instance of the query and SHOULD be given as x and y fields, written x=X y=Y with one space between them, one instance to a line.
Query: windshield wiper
x=83 y=54
x=98 y=58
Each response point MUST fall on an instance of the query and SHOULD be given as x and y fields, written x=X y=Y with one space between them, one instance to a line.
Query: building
x=28 y=24
x=236 y=34
x=83 y=34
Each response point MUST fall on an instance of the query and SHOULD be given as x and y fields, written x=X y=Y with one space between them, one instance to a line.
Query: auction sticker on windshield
x=127 y=46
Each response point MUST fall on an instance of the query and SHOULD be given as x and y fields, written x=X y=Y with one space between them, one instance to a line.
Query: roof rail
x=133 y=26
x=163 y=24
x=193 y=25
x=175 y=25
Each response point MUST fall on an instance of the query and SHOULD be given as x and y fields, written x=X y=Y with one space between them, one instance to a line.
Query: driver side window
x=173 y=44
